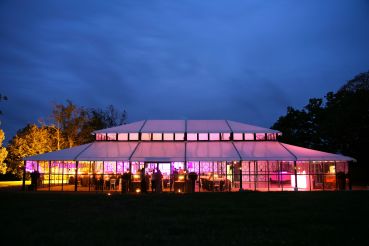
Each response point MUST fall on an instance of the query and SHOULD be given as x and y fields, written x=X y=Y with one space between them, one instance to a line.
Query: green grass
x=248 y=218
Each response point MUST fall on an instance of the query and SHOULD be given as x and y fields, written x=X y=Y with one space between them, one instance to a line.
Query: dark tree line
x=337 y=123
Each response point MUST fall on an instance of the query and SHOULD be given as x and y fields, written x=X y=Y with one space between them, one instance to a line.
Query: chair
x=112 y=184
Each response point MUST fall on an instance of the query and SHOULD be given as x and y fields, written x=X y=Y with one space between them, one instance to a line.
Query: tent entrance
x=170 y=181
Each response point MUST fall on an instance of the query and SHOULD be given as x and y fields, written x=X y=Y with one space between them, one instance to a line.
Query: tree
x=338 y=123
x=69 y=119
x=31 y=140
x=3 y=153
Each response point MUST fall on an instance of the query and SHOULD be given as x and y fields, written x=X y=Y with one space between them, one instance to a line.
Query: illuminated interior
x=200 y=156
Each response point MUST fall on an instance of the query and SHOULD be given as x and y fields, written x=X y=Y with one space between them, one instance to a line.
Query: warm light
x=179 y=190
x=301 y=180
x=181 y=177
x=108 y=194
x=138 y=190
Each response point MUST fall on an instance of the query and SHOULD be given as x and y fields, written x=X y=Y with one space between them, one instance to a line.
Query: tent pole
x=75 y=178
x=24 y=176
x=49 y=175
x=295 y=171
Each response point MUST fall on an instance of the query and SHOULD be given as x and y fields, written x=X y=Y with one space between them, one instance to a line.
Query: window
x=168 y=136
x=260 y=136
x=100 y=136
x=203 y=136
x=112 y=136
x=157 y=136
x=237 y=136
x=123 y=136
x=133 y=136
x=179 y=136
x=192 y=136
x=214 y=136
x=146 y=136
x=271 y=136
x=226 y=136
x=249 y=136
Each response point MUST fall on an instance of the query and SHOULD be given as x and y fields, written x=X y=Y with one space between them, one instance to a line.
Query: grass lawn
x=248 y=218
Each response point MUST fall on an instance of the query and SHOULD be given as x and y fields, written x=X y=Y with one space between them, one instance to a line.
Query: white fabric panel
x=241 y=127
x=108 y=151
x=211 y=151
x=304 y=154
x=167 y=126
x=160 y=151
x=132 y=127
x=267 y=151
x=207 y=126
x=61 y=155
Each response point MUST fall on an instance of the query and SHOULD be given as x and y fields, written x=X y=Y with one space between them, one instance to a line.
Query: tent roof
x=263 y=151
x=192 y=126
x=132 y=127
x=108 y=151
x=159 y=151
x=190 y=151
x=304 y=154
x=207 y=126
x=61 y=155
x=211 y=151
x=241 y=127
x=164 y=126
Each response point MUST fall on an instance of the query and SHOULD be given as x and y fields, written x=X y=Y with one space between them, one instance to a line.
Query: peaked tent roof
x=267 y=151
x=160 y=151
x=242 y=127
x=131 y=127
x=167 y=126
x=304 y=154
x=190 y=151
x=69 y=154
x=211 y=151
x=108 y=151
x=195 y=126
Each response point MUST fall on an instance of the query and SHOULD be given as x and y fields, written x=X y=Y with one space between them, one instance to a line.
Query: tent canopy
x=254 y=151
x=168 y=151
x=304 y=154
x=192 y=126
x=211 y=151
x=159 y=151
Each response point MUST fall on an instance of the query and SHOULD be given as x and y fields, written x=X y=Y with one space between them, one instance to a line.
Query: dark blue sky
x=239 y=60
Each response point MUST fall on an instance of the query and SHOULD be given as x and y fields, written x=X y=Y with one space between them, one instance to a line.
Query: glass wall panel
x=111 y=136
x=168 y=136
x=123 y=136
x=272 y=136
x=260 y=136
x=225 y=136
x=249 y=136
x=303 y=177
x=146 y=136
x=179 y=136
x=329 y=175
x=84 y=178
x=317 y=175
x=133 y=136
x=237 y=136
x=192 y=136
x=214 y=136
x=31 y=166
x=100 y=136
x=157 y=136
x=203 y=136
